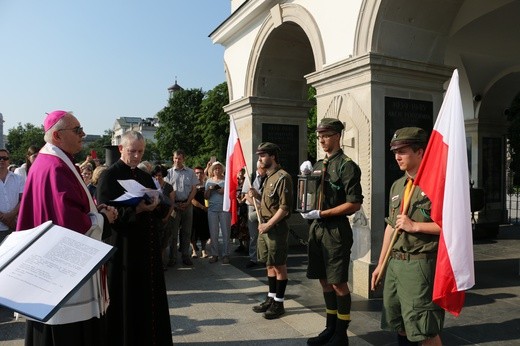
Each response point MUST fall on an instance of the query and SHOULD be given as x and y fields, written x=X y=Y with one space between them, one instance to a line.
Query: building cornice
x=240 y=19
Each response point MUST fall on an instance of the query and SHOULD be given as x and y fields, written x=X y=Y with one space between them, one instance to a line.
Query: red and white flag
x=234 y=163
x=443 y=176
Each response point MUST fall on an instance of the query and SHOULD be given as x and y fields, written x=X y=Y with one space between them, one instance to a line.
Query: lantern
x=307 y=196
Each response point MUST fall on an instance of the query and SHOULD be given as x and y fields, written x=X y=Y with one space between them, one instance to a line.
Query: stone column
x=284 y=122
x=357 y=92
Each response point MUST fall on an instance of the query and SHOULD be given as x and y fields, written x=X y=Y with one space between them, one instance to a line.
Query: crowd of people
x=125 y=302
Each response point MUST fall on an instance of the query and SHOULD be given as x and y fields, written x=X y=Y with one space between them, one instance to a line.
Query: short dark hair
x=159 y=169
x=179 y=152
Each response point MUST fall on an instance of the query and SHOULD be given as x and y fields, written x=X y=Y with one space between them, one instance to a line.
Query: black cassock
x=138 y=311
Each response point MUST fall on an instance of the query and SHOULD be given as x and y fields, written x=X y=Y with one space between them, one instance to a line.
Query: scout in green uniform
x=275 y=208
x=330 y=234
x=407 y=295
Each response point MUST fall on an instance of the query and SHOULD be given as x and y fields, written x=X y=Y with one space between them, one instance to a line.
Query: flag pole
x=396 y=232
x=254 y=199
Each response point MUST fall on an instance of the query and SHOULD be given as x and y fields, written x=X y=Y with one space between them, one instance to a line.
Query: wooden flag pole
x=254 y=199
x=396 y=232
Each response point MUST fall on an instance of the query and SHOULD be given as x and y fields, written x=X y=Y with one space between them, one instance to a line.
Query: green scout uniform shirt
x=419 y=211
x=277 y=194
x=342 y=181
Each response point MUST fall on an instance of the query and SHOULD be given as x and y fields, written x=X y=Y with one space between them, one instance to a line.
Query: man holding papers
x=138 y=313
x=55 y=191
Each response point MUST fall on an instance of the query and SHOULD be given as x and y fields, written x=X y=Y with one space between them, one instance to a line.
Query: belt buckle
x=400 y=256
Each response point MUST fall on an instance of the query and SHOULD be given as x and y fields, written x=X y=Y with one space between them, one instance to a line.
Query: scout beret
x=267 y=147
x=407 y=136
x=330 y=124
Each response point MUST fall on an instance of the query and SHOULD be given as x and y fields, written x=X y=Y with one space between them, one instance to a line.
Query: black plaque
x=286 y=136
x=492 y=168
x=402 y=113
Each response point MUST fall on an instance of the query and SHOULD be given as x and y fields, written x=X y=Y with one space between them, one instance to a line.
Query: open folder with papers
x=41 y=268
x=135 y=192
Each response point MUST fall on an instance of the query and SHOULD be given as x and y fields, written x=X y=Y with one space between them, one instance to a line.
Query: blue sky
x=104 y=59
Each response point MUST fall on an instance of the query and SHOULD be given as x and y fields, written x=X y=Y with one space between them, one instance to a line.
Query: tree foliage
x=98 y=145
x=177 y=123
x=20 y=138
x=152 y=153
x=213 y=125
x=195 y=122
x=311 y=126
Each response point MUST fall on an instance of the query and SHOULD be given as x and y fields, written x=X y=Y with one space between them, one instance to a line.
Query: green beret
x=330 y=124
x=407 y=136
x=267 y=147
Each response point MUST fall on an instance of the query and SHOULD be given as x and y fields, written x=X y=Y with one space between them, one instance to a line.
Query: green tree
x=20 y=138
x=98 y=145
x=213 y=125
x=177 y=124
x=152 y=153
x=311 y=126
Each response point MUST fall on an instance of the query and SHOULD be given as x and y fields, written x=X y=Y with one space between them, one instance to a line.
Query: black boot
x=275 y=310
x=340 y=335
x=325 y=335
x=402 y=340
x=264 y=306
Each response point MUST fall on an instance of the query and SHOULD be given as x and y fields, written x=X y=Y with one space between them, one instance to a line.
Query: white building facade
x=147 y=127
x=377 y=65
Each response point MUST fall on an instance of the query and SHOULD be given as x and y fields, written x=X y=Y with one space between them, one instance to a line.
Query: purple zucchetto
x=52 y=118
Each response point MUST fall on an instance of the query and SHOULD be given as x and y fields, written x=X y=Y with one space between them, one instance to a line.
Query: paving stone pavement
x=210 y=304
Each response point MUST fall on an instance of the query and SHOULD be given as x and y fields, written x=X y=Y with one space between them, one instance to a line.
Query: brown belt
x=403 y=256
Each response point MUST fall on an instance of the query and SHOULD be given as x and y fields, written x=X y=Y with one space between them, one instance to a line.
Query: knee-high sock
x=331 y=308
x=271 y=280
x=344 y=305
x=280 y=290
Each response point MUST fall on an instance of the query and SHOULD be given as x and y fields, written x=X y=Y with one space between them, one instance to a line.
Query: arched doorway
x=476 y=37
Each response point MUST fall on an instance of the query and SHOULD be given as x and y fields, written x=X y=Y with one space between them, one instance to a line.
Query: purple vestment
x=55 y=191
x=52 y=192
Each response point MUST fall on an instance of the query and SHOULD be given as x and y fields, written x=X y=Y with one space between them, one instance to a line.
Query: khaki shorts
x=407 y=299
x=329 y=250
x=272 y=246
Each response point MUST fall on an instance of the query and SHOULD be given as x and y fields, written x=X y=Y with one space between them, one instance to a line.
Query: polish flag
x=234 y=163
x=443 y=176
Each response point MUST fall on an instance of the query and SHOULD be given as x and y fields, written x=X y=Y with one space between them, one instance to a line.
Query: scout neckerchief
x=406 y=193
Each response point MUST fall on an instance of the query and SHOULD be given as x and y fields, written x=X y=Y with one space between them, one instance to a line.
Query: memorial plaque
x=492 y=168
x=402 y=113
x=287 y=138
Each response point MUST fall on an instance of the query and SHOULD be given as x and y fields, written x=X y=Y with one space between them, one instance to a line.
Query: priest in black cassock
x=138 y=312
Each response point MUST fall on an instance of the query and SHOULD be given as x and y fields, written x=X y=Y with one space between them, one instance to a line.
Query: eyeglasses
x=77 y=130
x=4 y=158
x=325 y=135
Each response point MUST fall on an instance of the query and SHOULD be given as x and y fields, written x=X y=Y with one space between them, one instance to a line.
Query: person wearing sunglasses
x=10 y=195
x=55 y=191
